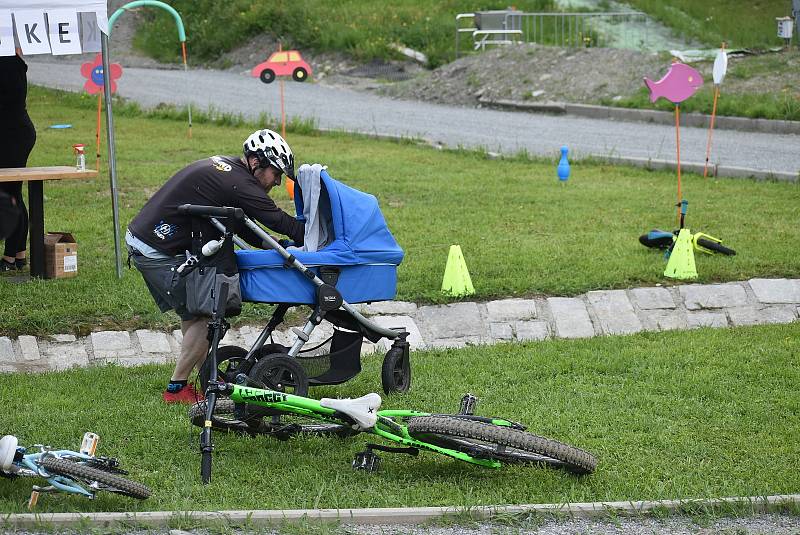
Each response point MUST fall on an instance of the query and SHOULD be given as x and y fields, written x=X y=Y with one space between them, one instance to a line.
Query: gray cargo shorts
x=166 y=286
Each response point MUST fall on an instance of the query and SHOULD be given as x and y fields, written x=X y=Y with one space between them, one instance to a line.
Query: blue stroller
x=358 y=264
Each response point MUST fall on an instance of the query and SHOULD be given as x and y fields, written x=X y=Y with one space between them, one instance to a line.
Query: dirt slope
x=533 y=73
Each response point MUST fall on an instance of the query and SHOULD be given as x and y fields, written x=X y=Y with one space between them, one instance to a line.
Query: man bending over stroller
x=158 y=236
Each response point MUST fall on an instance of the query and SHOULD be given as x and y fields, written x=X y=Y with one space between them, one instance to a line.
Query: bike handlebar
x=212 y=211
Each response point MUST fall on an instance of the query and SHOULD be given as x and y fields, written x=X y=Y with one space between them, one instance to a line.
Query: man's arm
x=257 y=205
x=252 y=238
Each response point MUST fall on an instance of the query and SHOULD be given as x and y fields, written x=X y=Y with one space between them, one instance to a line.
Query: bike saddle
x=363 y=410
x=8 y=448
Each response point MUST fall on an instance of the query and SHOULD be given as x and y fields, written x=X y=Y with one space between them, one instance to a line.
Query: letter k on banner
x=32 y=32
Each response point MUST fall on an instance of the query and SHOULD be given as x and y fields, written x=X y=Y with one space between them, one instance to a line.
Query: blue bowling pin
x=563 y=165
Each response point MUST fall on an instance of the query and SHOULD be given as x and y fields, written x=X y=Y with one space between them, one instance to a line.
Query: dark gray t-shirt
x=214 y=181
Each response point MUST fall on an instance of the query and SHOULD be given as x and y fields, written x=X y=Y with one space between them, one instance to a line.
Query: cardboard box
x=60 y=255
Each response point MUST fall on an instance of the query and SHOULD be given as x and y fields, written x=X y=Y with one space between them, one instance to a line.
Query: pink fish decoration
x=680 y=83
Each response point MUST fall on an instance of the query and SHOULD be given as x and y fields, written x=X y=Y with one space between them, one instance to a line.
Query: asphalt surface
x=500 y=131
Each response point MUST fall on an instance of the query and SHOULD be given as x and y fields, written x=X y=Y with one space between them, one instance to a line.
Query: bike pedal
x=367 y=461
x=240 y=411
x=287 y=431
x=468 y=404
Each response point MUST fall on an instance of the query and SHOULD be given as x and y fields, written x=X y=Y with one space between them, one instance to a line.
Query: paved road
x=507 y=132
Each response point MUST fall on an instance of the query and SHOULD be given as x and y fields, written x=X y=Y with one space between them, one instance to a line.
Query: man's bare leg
x=194 y=347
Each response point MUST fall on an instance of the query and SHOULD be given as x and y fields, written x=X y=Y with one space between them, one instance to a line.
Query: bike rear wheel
x=487 y=441
x=111 y=482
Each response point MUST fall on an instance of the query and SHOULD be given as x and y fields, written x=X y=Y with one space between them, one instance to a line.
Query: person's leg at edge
x=14 y=254
x=20 y=259
x=194 y=349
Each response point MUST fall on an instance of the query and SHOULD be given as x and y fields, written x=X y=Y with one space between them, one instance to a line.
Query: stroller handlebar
x=212 y=211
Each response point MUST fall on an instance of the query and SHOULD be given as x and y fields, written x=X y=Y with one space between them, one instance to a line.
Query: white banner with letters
x=52 y=26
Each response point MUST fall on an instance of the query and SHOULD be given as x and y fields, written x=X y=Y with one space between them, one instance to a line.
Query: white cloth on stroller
x=316 y=208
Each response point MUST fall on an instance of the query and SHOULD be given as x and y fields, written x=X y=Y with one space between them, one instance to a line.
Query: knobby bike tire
x=484 y=440
x=714 y=246
x=113 y=482
x=223 y=419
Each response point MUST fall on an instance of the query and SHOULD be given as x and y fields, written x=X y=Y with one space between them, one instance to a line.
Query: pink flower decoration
x=93 y=72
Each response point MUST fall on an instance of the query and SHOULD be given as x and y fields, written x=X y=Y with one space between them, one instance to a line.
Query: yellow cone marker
x=681 y=260
x=457 y=281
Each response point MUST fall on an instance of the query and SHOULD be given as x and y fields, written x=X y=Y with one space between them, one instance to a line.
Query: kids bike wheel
x=225 y=419
x=487 y=441
x=107 y=481
x=716 y=247
x=395 y=372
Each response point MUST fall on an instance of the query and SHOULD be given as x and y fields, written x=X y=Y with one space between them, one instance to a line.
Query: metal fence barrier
x=627 y=29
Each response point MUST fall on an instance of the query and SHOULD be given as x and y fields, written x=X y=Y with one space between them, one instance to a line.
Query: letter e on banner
x=31 y=32
x=90 y=32
x=64 y=36
x=6 y=33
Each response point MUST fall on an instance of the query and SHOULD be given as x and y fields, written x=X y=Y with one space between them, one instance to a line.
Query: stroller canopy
x=361 y=236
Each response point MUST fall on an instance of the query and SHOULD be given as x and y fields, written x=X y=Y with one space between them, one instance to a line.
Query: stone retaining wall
x=605 y=312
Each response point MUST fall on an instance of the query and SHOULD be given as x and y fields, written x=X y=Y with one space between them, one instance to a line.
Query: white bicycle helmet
x=270 y=149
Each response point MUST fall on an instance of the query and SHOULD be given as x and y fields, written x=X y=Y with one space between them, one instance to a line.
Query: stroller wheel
x=228 y=360
x=281 y=373
x=284 y=374
x=396 y=372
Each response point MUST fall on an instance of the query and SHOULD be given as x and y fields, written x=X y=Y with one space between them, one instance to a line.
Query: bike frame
x=30 y=467
x=386 y=425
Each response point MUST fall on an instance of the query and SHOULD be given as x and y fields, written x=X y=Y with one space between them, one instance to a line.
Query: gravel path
x=506 y=132
x=772 y=524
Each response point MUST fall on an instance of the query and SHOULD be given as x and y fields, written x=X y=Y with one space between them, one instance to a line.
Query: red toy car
x=283 y=63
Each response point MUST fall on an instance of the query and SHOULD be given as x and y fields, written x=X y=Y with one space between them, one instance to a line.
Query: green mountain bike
x=271 y=401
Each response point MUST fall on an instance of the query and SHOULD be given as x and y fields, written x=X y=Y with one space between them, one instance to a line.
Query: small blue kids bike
x=76 y=472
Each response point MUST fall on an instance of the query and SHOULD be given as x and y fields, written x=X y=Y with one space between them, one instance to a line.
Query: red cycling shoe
x=187 y=395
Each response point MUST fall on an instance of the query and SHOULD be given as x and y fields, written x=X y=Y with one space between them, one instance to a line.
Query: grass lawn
x=775 y=106
x=742 y=23
x=522 y=232
x=702 y=413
